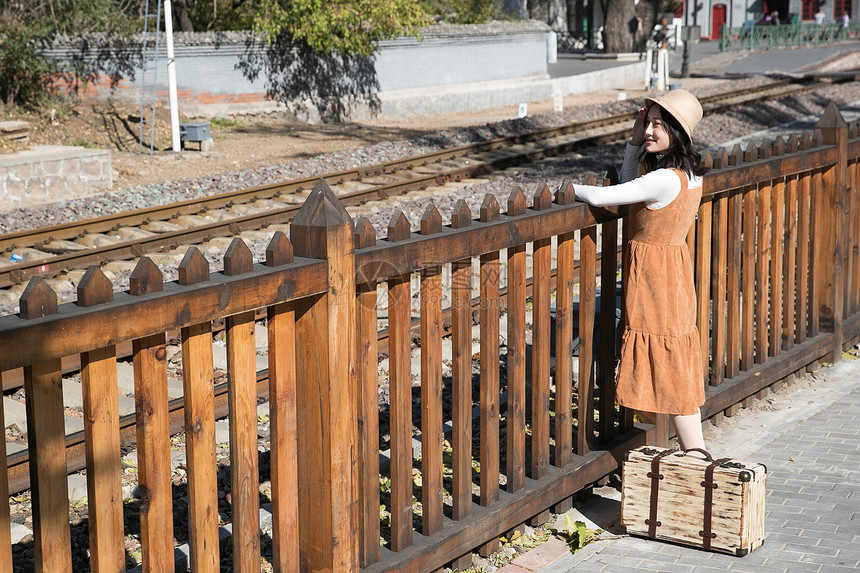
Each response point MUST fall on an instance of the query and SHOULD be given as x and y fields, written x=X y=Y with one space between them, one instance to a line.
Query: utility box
x=691 y=33
x=194 y=132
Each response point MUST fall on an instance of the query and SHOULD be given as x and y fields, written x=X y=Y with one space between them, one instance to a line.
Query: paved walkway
x=811 y=447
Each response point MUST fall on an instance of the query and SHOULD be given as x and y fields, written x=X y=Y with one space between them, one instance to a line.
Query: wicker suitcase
x=717 y=505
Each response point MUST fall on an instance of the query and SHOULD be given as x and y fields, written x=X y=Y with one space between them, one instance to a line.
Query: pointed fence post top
x=279 y=250
x=145 y=278
x=831 y=118
x=238 y=259
x=431 y=220
x=321 y=211
x=38 y=299
x=94 y=288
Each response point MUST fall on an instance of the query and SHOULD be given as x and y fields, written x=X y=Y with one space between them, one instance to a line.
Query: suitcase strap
x=655 y=476
x=707 y=533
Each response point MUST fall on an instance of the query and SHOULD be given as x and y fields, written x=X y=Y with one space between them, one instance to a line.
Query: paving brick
x=625 y=563
x=846 y=508
x=695 y=559
x=623 y=545
x=831 y=459
x=743 y=566
x=849 y=551
x=782 y=489
x=614 y=567
x=825 y=478
x=835 y=495
x=793 y=566
x=662 y=557
x=842 y=541
x=800 y=502
x=757 y=557
x=819 y=530
x=510 y=568
x=663 y=567
x=848 y=489
x=850 y=528
x=586 y=566
x=542 y=555
x=563 y=564
x=779 y=518
x=810 y=548
x=803 y=499
x=781 y=535
x=828 y=561
x=839 y=520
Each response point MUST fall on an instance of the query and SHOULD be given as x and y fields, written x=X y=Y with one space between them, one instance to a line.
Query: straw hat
x=683 y=106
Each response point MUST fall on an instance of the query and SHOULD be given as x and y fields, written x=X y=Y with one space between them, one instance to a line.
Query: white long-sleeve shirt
x=656 y=189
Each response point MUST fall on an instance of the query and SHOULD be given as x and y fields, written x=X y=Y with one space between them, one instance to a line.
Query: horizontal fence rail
x=750 y=37
x=477 y=432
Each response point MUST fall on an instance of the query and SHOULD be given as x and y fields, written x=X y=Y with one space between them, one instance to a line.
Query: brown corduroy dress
x=661 y=365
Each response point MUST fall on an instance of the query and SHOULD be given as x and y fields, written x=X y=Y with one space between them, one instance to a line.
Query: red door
x=718 y=18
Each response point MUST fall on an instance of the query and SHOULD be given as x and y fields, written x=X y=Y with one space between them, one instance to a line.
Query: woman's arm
x=630 y=166
x=634 y=149
x=656 y=189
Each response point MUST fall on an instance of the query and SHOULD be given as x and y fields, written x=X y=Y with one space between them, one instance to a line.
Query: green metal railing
x=801 y=34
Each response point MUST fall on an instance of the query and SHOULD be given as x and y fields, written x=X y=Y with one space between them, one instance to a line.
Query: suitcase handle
x=701 y=451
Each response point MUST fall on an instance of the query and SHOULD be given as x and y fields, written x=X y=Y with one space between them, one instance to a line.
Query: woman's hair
x=680 y=155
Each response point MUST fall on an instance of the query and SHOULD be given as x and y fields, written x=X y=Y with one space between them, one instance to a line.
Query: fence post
x=43 y=385
x=326 y=389
x=149 y=357
x=831 y=233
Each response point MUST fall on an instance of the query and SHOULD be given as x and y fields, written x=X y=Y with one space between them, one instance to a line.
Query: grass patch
x=83 y=143
x=224 y=122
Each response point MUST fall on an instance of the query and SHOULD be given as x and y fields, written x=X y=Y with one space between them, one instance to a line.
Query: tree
x=460 y=11
x=516 y=8
x=203 y=15
x=626 y=25
x=322 y=52
x=347 y=27
x=553 y=12
x=23 y=70
x=97 y=31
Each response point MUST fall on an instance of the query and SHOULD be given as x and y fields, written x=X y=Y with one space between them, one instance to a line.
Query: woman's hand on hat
x=637 y=138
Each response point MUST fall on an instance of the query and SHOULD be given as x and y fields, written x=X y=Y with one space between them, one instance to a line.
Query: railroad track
x=77 y=245
x=51 y=251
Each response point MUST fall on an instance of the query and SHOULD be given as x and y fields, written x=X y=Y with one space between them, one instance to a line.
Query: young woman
x=661 y=363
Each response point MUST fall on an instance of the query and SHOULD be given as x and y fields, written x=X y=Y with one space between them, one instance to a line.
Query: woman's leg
x=689 y=430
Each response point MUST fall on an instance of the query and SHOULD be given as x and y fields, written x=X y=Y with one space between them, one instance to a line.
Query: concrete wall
x=459 y=59
x=446 y=60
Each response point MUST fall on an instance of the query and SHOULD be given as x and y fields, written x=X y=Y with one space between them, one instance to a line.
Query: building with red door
x=713 y=14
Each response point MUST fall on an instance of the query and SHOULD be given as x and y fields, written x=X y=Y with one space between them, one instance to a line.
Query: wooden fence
x=778 y=277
